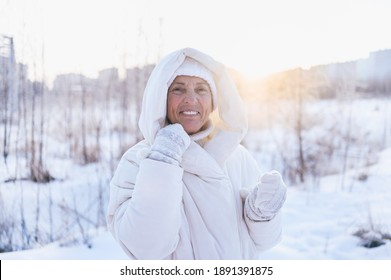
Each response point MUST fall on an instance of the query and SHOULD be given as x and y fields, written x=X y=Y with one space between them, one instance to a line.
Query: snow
x=319 y=220
x=319 y=224
x=103 y=248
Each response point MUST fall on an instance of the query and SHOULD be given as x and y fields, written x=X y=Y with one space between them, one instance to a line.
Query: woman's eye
x=177 y=90
x=202 y=91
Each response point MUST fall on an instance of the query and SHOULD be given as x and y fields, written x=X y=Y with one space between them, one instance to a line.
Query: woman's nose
x=190 y=97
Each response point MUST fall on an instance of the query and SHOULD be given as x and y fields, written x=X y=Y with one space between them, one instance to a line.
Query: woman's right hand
x=170 y=143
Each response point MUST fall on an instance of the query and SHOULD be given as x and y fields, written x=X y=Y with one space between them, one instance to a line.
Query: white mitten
x=170 y=143
x=267 y=198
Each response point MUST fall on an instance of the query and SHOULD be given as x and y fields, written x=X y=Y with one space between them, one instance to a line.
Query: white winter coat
x=192 y=211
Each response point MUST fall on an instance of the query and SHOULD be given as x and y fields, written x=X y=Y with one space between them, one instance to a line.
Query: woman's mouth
x=189 y=113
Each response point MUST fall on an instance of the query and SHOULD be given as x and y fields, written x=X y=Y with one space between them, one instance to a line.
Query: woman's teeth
x=190 y=113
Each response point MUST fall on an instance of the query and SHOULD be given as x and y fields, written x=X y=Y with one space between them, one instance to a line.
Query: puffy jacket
x=195 y=210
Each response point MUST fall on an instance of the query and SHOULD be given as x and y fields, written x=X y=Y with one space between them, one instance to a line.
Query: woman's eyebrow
x=179 y=83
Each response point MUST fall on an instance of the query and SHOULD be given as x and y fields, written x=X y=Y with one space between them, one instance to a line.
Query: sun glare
x=256 y=42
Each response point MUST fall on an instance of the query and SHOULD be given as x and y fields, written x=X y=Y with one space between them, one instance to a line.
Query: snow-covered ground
x=320 y=222
x=317 y=224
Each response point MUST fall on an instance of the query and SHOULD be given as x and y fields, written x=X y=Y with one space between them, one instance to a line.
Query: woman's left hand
x=267 y=198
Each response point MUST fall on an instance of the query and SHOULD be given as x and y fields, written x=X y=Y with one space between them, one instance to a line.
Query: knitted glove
x=170 y=143
x=267 y=198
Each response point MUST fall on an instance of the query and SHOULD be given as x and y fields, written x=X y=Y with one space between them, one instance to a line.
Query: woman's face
x=189 y=102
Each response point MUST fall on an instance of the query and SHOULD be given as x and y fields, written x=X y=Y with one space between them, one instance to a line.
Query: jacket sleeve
x=266 y=234
x=144 y=213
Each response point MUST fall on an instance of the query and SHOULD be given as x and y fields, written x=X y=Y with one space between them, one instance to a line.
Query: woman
x=189 y=190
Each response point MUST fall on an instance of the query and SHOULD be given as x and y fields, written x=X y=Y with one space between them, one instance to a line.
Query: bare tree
x=7 y=228
x=297 y=94
x=345 y=86
x=38 y=171
x=83 y=122
x=7 y=90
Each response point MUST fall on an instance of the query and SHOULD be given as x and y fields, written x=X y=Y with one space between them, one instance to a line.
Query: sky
x=255 y=37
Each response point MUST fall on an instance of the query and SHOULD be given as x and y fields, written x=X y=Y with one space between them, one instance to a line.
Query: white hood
x=229 y=119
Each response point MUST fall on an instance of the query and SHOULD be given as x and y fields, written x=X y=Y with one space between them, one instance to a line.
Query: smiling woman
x=190 y=190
